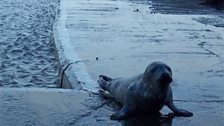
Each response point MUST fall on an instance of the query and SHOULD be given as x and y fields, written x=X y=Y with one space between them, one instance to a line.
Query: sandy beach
x=27 y=52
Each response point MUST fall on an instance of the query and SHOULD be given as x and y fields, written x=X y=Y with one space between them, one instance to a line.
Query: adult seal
x=144 y=93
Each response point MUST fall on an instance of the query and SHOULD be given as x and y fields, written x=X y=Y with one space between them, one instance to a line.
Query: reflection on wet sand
x=150 y=120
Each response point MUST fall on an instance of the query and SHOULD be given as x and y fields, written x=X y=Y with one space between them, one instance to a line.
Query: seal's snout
x=166 y=78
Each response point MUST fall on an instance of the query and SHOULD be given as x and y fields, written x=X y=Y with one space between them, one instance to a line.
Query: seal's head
x=158 y=73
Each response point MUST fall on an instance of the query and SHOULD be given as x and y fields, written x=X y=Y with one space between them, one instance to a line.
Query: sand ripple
x=26 y=47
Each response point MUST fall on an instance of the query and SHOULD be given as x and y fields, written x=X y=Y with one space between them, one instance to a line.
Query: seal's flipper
x=104 y=82
x=184 y=113
x=122 y=114
x=105 y=78
x=177 y=111
x=105 y=94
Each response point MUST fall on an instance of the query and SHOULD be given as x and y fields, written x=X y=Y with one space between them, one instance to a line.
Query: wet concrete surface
x=52 y=107
x=57 y=107
x=27 y=51
x=120 y=38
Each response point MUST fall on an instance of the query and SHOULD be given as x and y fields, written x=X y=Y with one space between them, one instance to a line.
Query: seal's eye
x=169 y=69
x=153 y=70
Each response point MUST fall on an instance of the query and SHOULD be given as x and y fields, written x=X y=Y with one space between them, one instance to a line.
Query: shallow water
x=26 y=47
x=179 y=6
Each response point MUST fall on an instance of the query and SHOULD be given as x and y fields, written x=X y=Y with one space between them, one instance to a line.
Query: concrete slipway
x=124 y=36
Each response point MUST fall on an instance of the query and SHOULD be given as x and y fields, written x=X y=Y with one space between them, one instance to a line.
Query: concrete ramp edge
x=74 y=74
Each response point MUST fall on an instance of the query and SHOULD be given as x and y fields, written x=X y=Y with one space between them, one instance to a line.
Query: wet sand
x=27 y=52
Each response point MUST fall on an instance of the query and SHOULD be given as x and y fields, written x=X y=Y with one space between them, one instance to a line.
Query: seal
x=145 y=93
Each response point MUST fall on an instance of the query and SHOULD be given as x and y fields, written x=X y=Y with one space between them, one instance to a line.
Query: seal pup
x=144 y=93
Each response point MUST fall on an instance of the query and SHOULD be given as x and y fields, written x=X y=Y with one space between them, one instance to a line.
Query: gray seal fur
x=144 y=93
